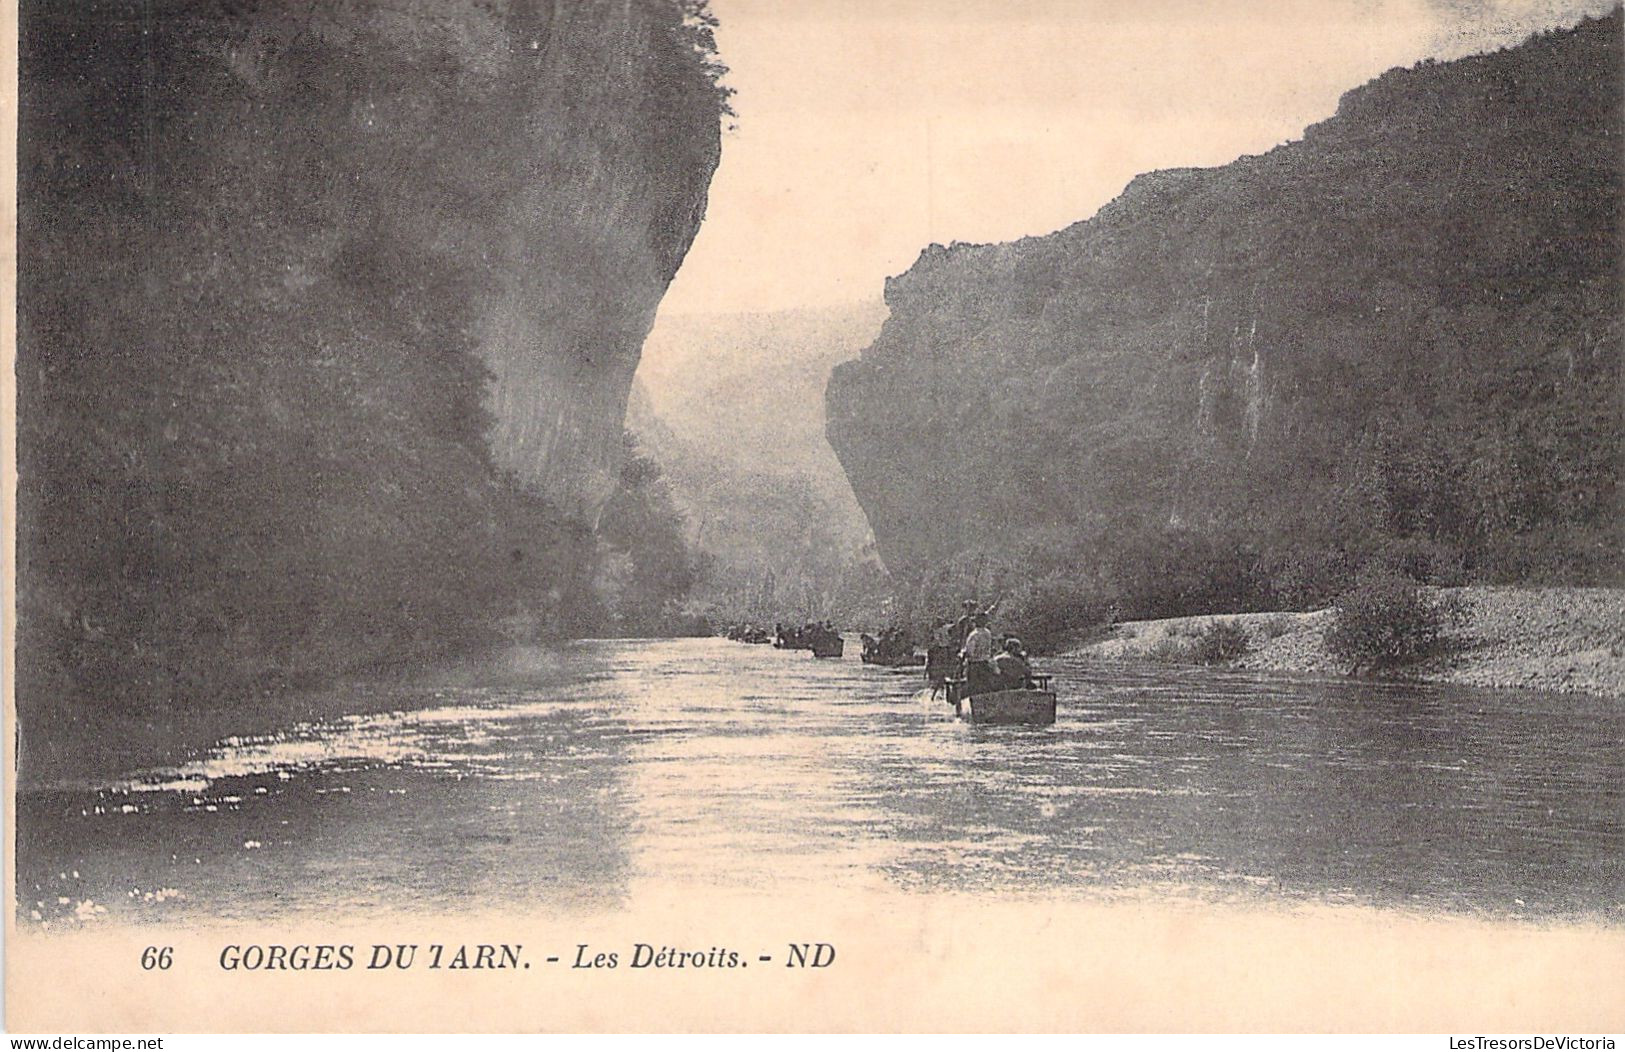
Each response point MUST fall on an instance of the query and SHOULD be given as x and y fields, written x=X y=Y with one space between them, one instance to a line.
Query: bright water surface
x=566 y=778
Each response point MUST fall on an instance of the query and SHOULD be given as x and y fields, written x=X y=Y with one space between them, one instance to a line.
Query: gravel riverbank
x=1556 y=639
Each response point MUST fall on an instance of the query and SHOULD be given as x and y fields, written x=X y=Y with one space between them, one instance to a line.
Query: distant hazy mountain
x=731 y=405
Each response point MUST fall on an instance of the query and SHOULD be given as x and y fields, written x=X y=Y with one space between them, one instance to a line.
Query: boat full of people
x=991 y=681
x=1032 y=704
x=747 y=633
x=820 y=637
x=893 y=648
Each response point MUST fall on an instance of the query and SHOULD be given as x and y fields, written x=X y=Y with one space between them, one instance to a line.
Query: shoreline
x=1561 y=639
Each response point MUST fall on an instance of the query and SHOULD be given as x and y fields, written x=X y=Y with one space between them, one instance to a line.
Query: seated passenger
x=1011 y=667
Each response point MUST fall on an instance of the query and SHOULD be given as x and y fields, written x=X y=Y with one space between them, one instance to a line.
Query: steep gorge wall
x=328 y=314
x=1405 y=324
x=534 y=168
x=632 y=143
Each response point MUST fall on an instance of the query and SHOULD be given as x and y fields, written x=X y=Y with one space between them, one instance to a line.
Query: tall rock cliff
x=1403 y=327
x=329 y=313
x=599 y=215
x=550 y=157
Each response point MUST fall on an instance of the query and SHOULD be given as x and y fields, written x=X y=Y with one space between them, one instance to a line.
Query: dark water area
x=571 y=778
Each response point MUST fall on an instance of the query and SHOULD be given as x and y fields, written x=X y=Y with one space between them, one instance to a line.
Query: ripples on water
x=570 y=777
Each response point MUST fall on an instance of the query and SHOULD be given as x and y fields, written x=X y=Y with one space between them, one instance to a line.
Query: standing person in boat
x=977 y=654
x=967 y=620
x=1011 y=666
x=942 y=656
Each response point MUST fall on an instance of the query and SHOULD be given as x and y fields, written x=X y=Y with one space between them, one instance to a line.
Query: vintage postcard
x=821 y=515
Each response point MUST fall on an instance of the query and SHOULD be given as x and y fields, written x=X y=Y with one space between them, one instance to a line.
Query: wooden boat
x=829 y=648
x=1032 y=707
x=907 y=661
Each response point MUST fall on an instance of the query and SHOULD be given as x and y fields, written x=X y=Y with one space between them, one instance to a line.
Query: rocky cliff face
x=531 y=171
x=1404 y=325
x=601 y=214
x=328 y=314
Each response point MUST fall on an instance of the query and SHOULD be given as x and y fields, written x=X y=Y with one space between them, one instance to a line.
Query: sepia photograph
x=810 y=516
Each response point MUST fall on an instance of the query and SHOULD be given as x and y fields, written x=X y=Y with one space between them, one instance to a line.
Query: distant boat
x=829 y=648
x=891 y=649
x=906 y=661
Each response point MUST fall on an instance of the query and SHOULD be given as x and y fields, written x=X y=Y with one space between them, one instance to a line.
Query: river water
x=567 y=778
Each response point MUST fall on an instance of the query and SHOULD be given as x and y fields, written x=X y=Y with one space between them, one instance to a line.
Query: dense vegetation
x=1386 y=620
x=644 y=569
x=1395 y=341
x=260 y=256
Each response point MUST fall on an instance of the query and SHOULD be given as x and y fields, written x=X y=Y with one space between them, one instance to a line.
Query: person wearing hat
x=1011 y=666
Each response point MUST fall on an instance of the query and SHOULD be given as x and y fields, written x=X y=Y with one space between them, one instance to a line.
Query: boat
x=906 y=661
x=874 y=655
x=1031 y=707
x=892 y=649
x=828 y=648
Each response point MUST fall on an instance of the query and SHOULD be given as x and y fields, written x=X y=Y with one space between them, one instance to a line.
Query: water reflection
x=567 y=779
x=1234 y=786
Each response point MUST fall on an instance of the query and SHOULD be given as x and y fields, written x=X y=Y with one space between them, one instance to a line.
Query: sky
x=868 y=129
